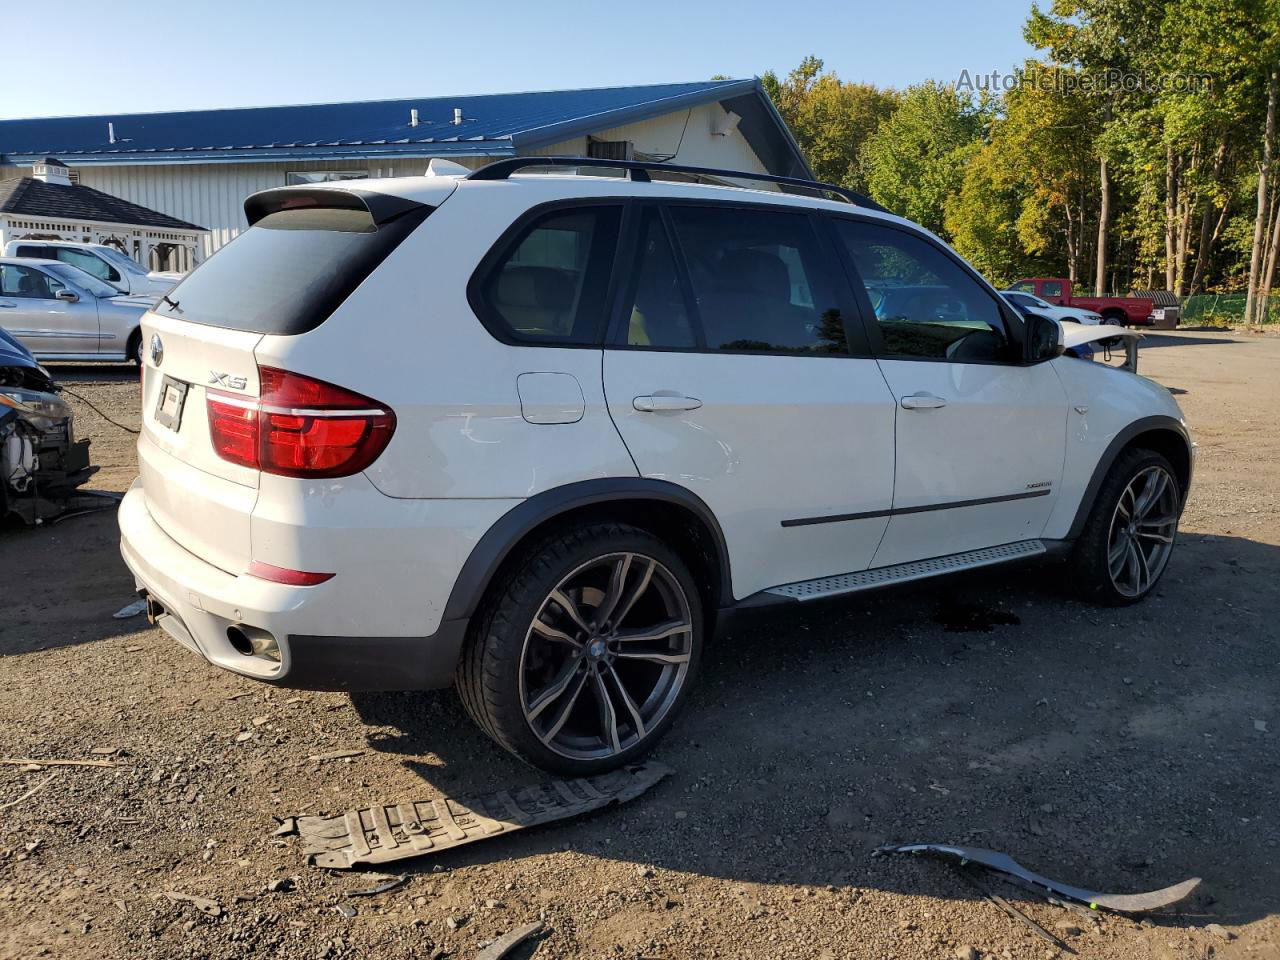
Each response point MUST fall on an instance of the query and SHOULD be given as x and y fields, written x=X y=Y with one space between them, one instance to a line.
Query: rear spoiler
x=381 y=207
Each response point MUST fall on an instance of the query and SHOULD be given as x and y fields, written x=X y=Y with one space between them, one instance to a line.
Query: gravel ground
x=1119 y=749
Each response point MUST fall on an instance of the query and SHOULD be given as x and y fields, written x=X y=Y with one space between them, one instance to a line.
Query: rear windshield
x=288 y=272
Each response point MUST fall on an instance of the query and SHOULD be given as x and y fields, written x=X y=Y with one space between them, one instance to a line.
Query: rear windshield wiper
x=172 y=303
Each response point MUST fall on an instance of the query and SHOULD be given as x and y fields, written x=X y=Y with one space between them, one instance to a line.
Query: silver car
x=59 y=312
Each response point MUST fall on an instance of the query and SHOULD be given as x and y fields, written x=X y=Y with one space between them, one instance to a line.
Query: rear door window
x=657 y=309
x=550 y=283
x=288 y=272
x=760 y=281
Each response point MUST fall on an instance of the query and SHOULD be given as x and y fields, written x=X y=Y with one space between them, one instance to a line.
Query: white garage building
x=198 y=166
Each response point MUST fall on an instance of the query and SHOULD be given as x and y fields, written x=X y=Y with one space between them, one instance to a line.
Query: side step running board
x=906 y=572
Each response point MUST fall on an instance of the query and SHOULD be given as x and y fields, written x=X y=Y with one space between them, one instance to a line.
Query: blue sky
x=127 y=56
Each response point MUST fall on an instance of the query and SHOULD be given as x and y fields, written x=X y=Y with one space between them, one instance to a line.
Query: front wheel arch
x=133 y=347
x=1130 y=534
x=1164 y=435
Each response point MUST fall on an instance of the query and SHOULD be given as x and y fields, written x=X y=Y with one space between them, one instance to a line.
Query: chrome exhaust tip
x=253 y=642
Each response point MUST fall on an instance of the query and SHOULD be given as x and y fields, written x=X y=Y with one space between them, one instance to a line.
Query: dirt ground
x=1119 y=749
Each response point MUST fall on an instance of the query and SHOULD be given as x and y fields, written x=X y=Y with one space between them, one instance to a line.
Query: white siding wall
x=661 y=137
x=212 y=194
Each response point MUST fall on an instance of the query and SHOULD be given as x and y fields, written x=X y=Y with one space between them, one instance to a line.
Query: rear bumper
x=199 y=602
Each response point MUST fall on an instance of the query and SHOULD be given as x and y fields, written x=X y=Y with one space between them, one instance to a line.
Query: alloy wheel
x=606 y=656
x=1143 y=526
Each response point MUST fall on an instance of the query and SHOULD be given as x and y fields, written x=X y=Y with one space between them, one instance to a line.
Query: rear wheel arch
x=1164 y=435
x=1115 y=315
x=671 y=512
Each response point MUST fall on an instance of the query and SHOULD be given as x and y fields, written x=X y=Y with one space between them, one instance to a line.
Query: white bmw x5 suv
x=538 y=435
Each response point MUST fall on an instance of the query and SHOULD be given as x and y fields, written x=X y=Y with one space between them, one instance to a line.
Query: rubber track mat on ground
x=398 y=831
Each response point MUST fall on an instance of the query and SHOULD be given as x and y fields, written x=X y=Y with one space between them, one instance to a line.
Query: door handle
x=659 y=403
x=923 y=401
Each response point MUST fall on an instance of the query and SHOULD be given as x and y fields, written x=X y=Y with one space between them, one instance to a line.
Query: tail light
x=299 y=427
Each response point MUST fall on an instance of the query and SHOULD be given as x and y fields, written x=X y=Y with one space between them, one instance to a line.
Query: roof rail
x=640 y=169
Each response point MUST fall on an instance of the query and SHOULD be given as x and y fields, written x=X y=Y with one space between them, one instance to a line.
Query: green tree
x=1102 y=38
x=981 y=219
x=915 y=159
x=831 y=119
x=1237 y=44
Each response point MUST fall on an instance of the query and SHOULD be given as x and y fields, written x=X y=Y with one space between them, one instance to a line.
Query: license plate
x=173 y=394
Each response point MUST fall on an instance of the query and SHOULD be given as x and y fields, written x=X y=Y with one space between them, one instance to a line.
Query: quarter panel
x=395 y=561
x=115 y=323
x=408 y=338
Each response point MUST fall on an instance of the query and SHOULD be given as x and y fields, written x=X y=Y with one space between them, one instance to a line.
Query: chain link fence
x=1223 y=308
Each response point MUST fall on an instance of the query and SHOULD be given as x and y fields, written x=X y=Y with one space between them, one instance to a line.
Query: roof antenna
x=413 y=117
x=457 y=116
x=111 y=132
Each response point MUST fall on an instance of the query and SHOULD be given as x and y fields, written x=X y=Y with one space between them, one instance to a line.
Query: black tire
x=133 y=351
x=1091 y=564
x=505 y=661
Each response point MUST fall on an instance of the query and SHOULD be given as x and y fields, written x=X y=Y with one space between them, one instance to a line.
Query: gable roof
x=29 y=197
x=493 y=125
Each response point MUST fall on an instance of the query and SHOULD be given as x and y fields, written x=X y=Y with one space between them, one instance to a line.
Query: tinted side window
x=760 y=280
x=38 y=253
x=1026 y=286
x=90 y=264
x=550 y=285
x=658 y=314
x=1051 y=288
x=926 y=304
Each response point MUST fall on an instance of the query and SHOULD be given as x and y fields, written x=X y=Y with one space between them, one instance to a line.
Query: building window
x=299 y=178
x=610 y=149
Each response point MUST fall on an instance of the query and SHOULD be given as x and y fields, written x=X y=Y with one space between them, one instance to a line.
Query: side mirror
x=70 y=296
x=1042 y=338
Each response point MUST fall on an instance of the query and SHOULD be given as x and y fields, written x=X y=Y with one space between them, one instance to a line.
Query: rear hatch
x=201 y=500
x=306 y=251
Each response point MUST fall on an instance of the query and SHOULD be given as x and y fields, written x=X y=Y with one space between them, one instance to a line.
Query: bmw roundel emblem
x=157 y=349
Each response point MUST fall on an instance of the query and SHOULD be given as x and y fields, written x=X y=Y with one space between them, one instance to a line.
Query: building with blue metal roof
x=198 y=166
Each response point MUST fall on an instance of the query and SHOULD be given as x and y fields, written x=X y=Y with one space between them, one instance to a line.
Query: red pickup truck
x=1126 y=311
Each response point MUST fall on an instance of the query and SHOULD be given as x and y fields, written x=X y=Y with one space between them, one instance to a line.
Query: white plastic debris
x=130 y=610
